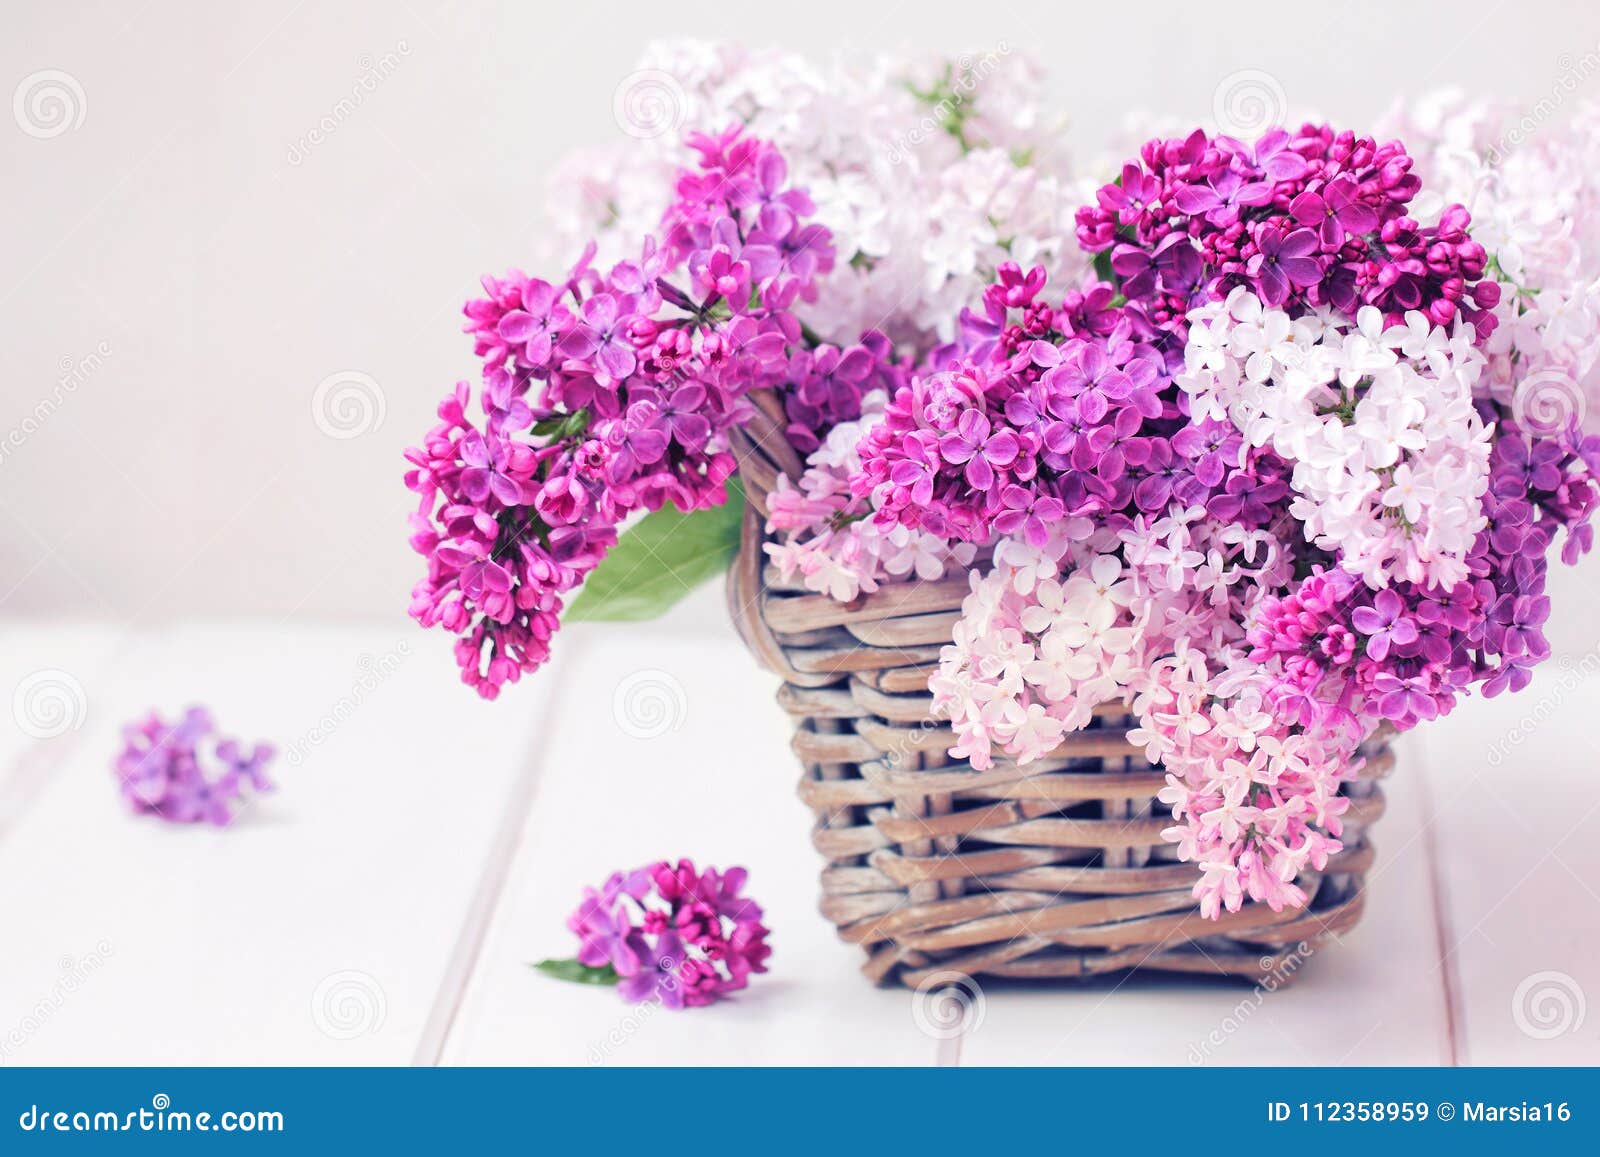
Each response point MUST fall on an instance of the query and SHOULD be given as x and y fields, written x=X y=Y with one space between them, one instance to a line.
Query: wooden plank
x=705 y=772
x=50 y=680
x=1518 y=831
x=319 y=927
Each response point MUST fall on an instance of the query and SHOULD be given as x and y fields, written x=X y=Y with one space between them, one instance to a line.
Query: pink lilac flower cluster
x=672 y=933
x=823 y=538
x=608 y=393
x=1311 y=217
x=1149 y=616
x=185 y=771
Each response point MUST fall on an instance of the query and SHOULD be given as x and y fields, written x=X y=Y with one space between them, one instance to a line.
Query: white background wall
x=212 y=283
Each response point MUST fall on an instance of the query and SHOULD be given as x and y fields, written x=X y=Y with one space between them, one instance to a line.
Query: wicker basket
x=1052 y=870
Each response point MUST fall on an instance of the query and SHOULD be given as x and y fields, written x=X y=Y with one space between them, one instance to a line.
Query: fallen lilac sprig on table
x=188 y=772
x=667 y=933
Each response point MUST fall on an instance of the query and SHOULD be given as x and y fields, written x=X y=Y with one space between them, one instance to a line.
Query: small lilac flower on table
x=186 y=772
x=667 y=933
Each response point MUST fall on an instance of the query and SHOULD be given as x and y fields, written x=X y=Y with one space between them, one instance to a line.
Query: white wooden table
x=383 y=906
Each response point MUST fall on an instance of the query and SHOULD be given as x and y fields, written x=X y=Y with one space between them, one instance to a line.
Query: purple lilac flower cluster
x=825 y=384
x=1046 y=411
x=1347 y=654
x=673 y=933
x=1314 y=217
x=612 y=392
x=185 y=772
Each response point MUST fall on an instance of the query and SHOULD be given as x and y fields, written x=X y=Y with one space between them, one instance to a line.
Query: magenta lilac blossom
x=1313 y=217
x=606 y=393
x=670 y=933
x=185 y=771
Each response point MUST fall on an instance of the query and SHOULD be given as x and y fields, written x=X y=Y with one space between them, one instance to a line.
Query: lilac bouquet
x=1267 y=447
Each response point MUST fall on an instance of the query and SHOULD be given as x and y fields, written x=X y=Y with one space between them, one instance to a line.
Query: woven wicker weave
x=1052 y=870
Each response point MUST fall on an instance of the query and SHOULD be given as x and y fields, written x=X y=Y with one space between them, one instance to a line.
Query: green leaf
x=576 y=972
x=660 y=559
x=560 y=427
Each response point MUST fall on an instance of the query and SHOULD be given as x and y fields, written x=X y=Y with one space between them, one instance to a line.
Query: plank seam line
x=496 y=872
x=1455 y=1024
x=29 y=770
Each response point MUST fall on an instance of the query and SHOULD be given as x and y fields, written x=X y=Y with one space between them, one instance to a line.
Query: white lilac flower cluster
x=1530 y=186
x=825 y=539
x=1390 y=458
x=930 y=172
x=1050 y=633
